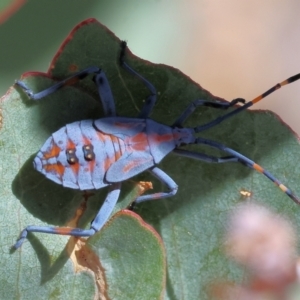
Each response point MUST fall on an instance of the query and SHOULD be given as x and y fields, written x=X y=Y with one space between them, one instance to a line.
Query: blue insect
x=92 y=154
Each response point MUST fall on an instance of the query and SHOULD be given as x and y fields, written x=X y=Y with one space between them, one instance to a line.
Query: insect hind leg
x=100 y=80
x=245 y=161
x=68 y=81
x=100 y=219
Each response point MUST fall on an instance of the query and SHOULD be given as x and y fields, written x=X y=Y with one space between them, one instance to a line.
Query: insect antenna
x=246 y=105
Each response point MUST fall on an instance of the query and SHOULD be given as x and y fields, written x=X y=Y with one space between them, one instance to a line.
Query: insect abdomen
x=78 y=156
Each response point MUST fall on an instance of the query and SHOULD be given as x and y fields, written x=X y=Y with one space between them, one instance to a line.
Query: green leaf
x=8 y=8
x=191 y=223
x=130 y=252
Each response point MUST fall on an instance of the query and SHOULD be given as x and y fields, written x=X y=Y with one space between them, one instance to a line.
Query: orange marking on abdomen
x=54 y=151
x=75 y=168
x=57 y=168
x=102 y=137
x=92 y=165
x=86 y=141
x=118 y=154
x=115 y=140
x=71 y=145
x=108 y=162
x=258 y=168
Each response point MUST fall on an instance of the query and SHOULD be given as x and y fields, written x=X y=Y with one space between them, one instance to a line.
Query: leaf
x=8 y=8
x=191 y=223
x=125 y=252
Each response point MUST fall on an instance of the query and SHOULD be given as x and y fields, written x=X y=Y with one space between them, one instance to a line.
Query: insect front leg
x=151 y=99
x=191 y=108
x=100 y=219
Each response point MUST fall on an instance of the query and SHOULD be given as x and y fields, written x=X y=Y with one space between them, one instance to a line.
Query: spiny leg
x=164 y=178
x=246 y=105
x=151 y=99
x=199 y=102
x=243 y=160
x=99 y=78
x=100 y=219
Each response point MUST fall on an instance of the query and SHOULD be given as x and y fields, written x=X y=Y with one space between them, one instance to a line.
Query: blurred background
x=232 y=48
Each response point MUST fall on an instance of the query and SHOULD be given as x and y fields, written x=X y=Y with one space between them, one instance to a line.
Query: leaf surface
x=191 y=223
x=8 y=8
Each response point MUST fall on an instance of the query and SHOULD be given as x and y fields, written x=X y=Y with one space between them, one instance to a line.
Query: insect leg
x=191 y=108
x=245 y=161
x=105 y=94
x=96 y=225
x=151 y=99
x=100 y=80
x=164 y=178
x=68 y=81
x=204 y=157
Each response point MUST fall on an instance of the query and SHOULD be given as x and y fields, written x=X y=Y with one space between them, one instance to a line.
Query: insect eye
x=71 y=157
x=88 y=151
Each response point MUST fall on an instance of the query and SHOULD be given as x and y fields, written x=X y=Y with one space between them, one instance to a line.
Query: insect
x=92 y=154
